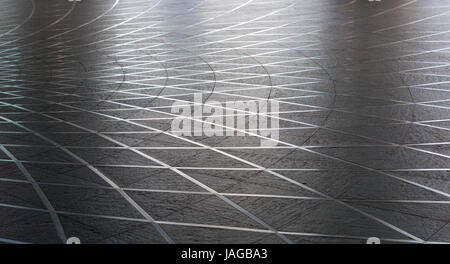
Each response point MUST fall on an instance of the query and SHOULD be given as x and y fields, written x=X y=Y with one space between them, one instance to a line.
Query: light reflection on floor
x=86 y=90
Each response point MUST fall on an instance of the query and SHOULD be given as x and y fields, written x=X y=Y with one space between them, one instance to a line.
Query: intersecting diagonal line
x=204 y=46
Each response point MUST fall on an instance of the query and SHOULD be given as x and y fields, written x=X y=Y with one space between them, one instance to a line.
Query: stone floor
x=87 y=90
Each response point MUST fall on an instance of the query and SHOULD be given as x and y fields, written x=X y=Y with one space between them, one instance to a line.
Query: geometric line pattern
x=87 y=150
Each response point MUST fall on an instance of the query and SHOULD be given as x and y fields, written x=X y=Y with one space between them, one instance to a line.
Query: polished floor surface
x=87 y=149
